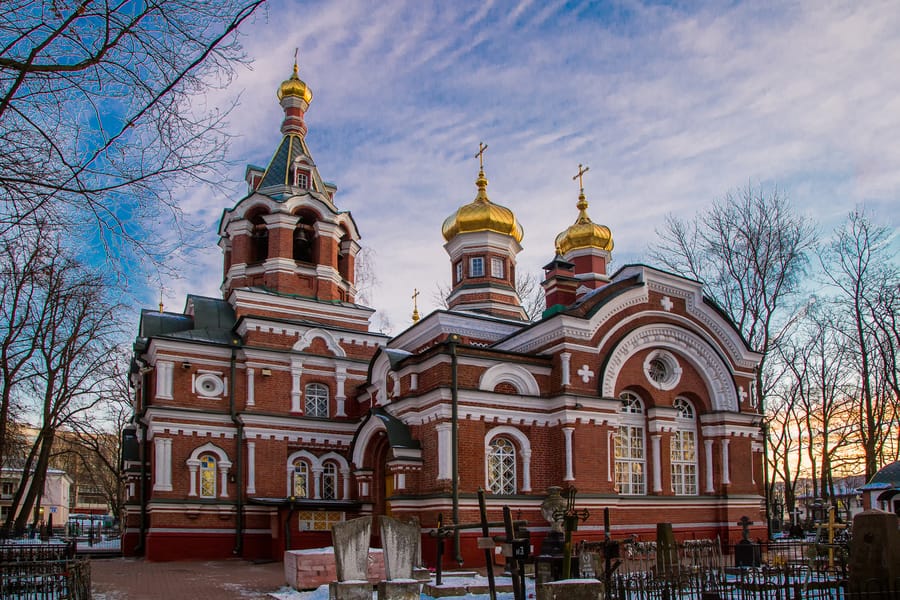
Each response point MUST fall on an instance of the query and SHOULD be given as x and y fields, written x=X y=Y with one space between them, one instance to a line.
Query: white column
x=708 y=444
x=526 y=470
x=610 y=452
x=340 y=396
x=726 y=477
x=414 y=381
x=317 y=482
x=251 y=397
x=444 y=450
x=223 y=478
x=296 y=372
x=164 y=379
x=251 y=467
x=565 y=360
x=657 y=463
x=346 y=475
x=193 y=466
x=162 y=455
x=567 y=432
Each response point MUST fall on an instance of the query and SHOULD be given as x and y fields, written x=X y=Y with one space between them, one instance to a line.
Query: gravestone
x=351 y=556
x=666 y=550
x=746 y=553
x=874 y=556
x=401 y=543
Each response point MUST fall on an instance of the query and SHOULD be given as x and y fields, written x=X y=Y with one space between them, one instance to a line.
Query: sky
x=670 y=105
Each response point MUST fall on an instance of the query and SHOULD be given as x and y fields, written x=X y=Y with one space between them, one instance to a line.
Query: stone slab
x=399 y=590
x=309 y=569
x=350 y=590
x=874 y=553
x=351 y=548
x=570 y=589
x=401 y=547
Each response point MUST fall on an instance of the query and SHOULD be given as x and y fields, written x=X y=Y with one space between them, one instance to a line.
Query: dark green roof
x=398 y=432
x=213 y=321
x=887 y=477
x=278 y=171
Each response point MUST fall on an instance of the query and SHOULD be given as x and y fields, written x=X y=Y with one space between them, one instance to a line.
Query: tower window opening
x=459 y=271
x=476 y=266
x=497 y=267
x=259 y=240
x=301 y=178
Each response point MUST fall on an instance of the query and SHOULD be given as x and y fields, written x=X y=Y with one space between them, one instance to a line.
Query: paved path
x=136 y=579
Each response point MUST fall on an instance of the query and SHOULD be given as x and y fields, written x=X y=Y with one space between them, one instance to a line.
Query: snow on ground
x=321 y=593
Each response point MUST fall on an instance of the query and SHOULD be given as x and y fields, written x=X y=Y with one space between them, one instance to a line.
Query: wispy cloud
x=670 y=106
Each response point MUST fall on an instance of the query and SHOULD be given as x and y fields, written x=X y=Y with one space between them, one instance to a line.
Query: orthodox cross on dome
x=160 y=298
x=296 y=66
x=480 y=154
x=580 y=176
x=415 y=299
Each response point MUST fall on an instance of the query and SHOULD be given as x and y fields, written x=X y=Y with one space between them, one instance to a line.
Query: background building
x=263 y=417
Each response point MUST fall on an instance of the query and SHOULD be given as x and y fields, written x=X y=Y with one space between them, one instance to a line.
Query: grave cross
x=745 y=524
x=831 y=527
x=570 y=517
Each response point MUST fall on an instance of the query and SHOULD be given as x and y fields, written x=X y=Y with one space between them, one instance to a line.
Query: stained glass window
x=318 y=520
x=502 y=467
x=301 y=479
x=316 y=400
x=207 y=476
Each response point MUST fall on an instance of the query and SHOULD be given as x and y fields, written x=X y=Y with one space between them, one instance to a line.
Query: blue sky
x=671 y=106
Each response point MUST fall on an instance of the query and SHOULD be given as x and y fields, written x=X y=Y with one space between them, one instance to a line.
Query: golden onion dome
x=482 y=215
x=296 y=87
x=584 y=233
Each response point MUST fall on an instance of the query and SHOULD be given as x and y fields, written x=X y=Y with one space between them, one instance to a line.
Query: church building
x=264 y=416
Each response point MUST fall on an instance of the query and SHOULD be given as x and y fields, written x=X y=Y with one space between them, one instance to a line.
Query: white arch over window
x=364 y=437
x=222 y=463
x=689 y=346
x=307 y=339
x=305 y=456
x=524 y=448
x=516 y=375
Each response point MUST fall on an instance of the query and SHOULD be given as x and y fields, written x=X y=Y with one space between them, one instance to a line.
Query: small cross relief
x=742 y=394
x=667 y=303
x=585 y=373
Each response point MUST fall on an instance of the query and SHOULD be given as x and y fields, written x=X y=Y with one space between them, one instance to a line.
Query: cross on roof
x=580 y=176
x=480 y=154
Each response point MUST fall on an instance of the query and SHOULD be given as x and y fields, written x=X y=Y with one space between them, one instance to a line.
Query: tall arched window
x=300 y=484
x=316 y=400
x=684 y=449
x=630 y=454
x=207 y=476
x=329 y=481
x=502 y=466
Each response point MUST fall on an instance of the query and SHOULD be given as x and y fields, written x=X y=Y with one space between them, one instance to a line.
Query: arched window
x=207 y=476
x=259 y=240
x=329 y=481
x=502 y=466
x=316 y=400
x=629 y=452
x=300 y=483
x=684 y=449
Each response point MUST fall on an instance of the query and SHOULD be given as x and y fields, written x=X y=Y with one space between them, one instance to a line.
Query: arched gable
x=306 y=340
x=221 y=456
x=691 y=348
x=517 y=376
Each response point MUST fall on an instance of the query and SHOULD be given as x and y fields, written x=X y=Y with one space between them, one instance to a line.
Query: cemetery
x=864 y=565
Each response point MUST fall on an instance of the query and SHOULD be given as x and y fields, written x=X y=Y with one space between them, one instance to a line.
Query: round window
x=662 y=370
x=209 y=385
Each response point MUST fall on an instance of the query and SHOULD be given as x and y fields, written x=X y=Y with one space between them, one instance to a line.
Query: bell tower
x=287 y=236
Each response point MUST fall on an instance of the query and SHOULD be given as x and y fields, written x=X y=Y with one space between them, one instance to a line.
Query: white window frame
x=329 y=474
x=301 y=178
x=497 y=269
x=683 y=453
x=204 y=468
x=479 y=270
x=301 y=470
x=502 y=450
x=631 y=447
x=459 y=271
x=320 y=397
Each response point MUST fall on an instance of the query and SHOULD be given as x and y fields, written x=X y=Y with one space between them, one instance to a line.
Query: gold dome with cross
x=481 y=214
x=584 y=233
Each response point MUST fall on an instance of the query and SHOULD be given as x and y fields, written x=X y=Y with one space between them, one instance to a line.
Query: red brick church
x=266 y=415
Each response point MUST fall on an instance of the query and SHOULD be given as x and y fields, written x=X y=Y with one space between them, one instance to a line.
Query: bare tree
x=860 y=265
x=750 y=251
x=101 y=111
x=73 y=334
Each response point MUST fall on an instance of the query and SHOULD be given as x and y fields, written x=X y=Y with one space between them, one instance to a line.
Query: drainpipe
x=238 y=460
x=142 y=487
x=453 y=341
